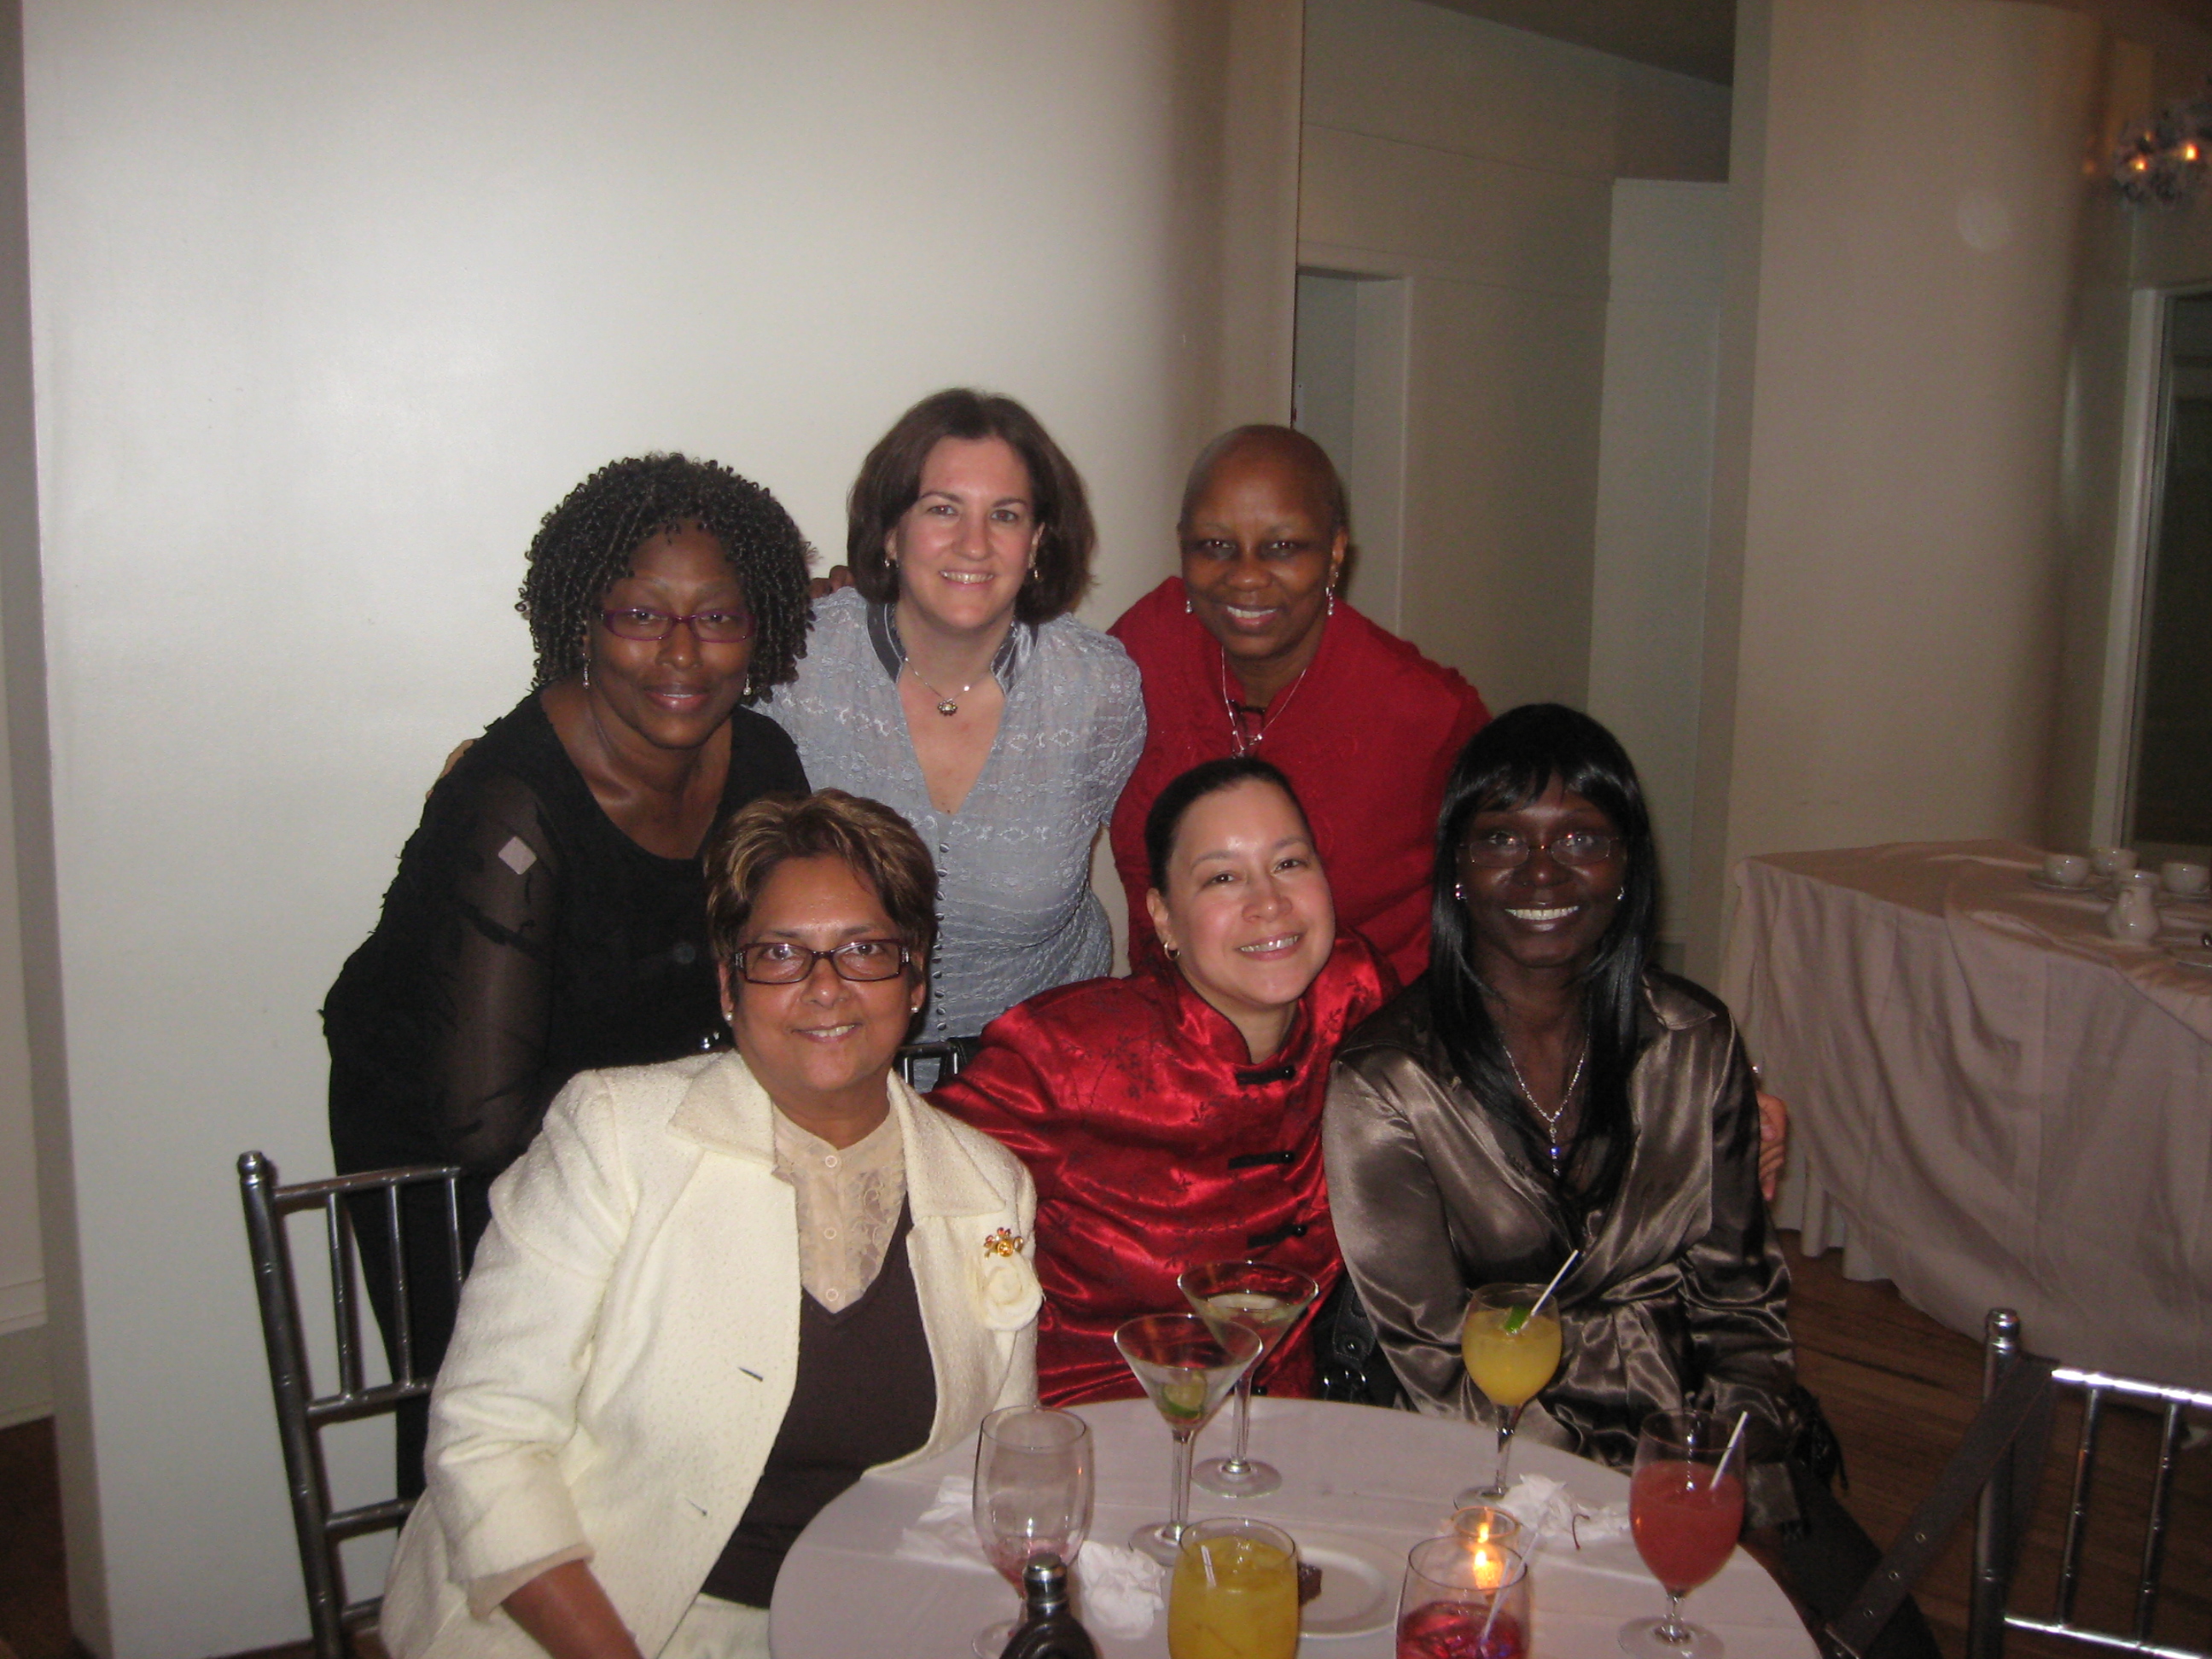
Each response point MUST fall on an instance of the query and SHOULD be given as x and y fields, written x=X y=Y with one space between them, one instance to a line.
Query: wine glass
x=1463 y=1600
x=1033 y=1493
x=1685 y=1512
x=1511 y=1348
x=1266 y=1301
x=1185 y=1371
x=1234 y=1593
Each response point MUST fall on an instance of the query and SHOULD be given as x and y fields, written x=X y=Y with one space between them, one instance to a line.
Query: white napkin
x=1117 y=1590
x=1548 y=1511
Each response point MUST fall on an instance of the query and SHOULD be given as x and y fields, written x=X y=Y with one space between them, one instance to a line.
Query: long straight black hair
x=1508 y=763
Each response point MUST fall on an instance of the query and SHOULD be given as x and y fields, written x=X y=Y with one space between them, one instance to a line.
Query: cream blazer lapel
x=974 y=1210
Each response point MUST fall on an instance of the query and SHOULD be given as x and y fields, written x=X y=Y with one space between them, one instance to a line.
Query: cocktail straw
x=1735 y=1440
x=1573 y=1256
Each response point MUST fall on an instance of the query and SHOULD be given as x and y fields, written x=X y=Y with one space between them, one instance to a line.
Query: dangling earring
x=587 y=673
x=1459 y=893
x=1185 y=605
x=1332 y=598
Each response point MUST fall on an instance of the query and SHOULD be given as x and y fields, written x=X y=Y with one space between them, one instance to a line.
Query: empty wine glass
x=1185 y=1371
x=1266 y=1301
x=1034 y=1480
x=1685 y=1511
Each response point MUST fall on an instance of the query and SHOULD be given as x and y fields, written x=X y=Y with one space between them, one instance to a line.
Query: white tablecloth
x=1995 y=1104
x=1351 y=1470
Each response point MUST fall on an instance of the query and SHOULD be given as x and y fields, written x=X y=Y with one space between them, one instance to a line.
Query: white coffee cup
x=2112 y=860
x=2189 y=879
x=2066 y=869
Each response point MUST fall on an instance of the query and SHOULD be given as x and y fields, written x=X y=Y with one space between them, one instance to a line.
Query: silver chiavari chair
x=301 y=1413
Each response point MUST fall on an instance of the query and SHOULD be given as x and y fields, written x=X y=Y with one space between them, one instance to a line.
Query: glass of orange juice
x=1235 y=1594
x=1512 y=1350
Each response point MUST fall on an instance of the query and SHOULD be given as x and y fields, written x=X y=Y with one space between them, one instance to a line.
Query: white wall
x=1906 y=189
x=1475 y=161
x=330 y=304
x=25 y=1387
x=1654 y=496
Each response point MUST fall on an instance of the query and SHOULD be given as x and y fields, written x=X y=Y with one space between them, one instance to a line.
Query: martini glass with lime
x=1266 y=1301
x=1512 y=1344
x=1187 y=1371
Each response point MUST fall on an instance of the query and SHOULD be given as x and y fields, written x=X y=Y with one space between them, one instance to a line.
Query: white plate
x=1359 y=1581
x=2092 y=888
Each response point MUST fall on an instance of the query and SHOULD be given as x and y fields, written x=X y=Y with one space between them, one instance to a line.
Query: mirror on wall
x=2170 y=789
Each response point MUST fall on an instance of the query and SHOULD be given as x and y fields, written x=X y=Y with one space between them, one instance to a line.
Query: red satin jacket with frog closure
x=1157 y=1143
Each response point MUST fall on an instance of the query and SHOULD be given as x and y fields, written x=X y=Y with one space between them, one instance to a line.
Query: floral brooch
x=1005 y=1242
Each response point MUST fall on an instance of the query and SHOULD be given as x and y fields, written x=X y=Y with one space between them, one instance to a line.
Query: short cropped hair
x=1173 y=803
x=584 y=546
x=890 y=482
x=1288 y=441
x=875 y=844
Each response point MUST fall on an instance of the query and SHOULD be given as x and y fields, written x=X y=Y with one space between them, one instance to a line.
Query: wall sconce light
x=2165 y=160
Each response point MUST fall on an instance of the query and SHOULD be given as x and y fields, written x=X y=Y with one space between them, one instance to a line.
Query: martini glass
x=1186 y=1371
x=1266 y=1301
x=1511 y=1353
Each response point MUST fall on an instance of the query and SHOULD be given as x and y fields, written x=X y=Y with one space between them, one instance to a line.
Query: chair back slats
x=301 y=1414
x=945 y=1056
x=348 y=1319
x=2078 y=1504
x=1996 y=1550
x=2161 y=1499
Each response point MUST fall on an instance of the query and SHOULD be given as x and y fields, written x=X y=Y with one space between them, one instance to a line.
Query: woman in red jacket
x=1174 y=1117
x=1251 y=651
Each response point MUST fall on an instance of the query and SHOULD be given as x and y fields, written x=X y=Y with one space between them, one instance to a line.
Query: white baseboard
x=26 y=1387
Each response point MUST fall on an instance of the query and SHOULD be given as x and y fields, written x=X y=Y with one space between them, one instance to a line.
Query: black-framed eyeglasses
x=725 y=627
x=1502 y=849
x=779 y=962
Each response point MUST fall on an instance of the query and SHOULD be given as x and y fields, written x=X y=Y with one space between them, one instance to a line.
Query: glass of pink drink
x=1685 y=1513
x=1464 y=1600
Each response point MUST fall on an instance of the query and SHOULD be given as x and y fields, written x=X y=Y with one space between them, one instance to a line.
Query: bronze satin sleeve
x=1681 y=1293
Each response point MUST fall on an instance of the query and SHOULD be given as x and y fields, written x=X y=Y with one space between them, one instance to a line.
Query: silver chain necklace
x=945 y=706
x=1550 y=1119
x=1229 y=707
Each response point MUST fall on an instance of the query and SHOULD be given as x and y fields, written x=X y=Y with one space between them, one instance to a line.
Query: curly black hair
x=584 y=546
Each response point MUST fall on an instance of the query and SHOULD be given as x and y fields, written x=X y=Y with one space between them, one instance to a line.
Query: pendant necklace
x=1245 y=745
x=946 y=706
x=1551 y=1118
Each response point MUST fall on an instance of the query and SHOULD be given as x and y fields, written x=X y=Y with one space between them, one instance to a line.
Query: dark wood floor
x=1898 y=1388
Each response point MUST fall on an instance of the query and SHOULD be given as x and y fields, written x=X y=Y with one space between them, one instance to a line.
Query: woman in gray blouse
x=949 y=683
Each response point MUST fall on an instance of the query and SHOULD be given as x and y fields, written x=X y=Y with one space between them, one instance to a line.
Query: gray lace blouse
x=1015 y=912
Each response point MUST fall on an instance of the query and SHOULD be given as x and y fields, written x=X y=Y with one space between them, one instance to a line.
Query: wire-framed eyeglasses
x=729 y=626
x=1503 y=849
x=779 y=962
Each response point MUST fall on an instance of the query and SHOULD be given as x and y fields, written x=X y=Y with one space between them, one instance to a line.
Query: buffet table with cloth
x=1995 y=1103
x=1361 y=1487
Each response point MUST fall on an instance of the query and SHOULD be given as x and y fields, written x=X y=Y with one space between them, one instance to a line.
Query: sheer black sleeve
x=489 y=974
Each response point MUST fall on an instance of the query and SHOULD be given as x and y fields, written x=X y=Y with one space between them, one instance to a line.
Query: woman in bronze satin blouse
x=1545 y=1087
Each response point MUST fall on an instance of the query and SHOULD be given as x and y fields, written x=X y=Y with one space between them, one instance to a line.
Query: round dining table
x=1361 y=1487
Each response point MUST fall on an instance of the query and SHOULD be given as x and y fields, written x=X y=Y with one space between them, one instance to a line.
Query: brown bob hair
x=890 y=482
x=875 y=844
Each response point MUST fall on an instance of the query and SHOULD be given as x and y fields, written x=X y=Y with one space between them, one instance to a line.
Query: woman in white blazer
x=714 y=1291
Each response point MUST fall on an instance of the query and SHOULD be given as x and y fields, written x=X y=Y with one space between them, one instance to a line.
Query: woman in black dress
x=548 y=915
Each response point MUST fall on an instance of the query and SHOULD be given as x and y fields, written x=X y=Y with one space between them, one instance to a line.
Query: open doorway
x=1349 y=395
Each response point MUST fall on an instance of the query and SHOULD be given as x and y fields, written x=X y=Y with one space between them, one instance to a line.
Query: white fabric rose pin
x=1007 y=1284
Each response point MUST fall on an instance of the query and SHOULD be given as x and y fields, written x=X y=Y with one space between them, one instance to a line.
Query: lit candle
x=1489 y=1568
